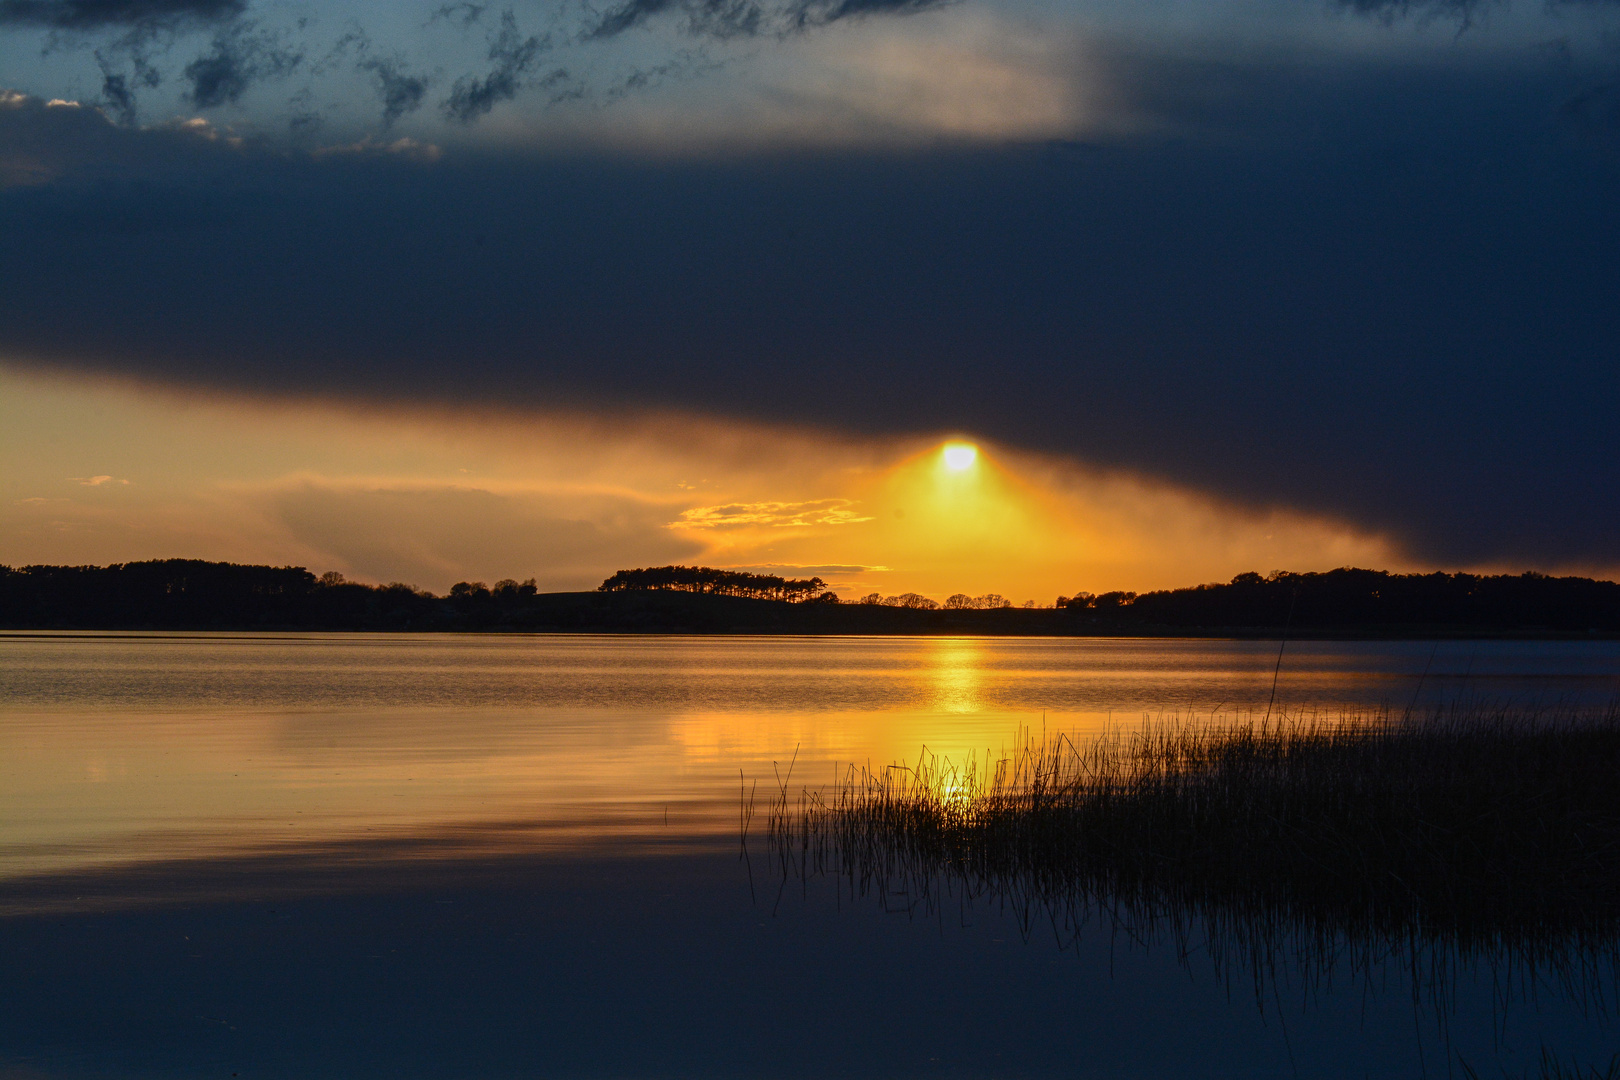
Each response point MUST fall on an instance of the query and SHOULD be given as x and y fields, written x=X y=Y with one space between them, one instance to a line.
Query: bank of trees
x=196 y=594
x=193 y=594
x=704 y=579
x=1353 y=598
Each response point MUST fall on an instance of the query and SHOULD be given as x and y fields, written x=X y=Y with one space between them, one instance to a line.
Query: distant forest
x=189 y=594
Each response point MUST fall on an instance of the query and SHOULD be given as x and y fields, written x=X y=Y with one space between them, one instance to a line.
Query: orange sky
x=97 y=472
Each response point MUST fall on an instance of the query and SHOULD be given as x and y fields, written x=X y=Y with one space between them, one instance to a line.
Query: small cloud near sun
x=97 y=481
x=800 y=568
x=775 y=514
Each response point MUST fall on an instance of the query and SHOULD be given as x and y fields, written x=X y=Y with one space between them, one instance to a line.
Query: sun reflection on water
x=956 y=667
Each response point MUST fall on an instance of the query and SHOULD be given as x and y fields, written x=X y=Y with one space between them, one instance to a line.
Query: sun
x=959 y=456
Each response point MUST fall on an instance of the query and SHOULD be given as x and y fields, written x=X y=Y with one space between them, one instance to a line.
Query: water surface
x=355 y=855
x=140 y=746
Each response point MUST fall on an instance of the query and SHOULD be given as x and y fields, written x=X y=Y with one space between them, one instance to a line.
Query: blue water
x=344 y=855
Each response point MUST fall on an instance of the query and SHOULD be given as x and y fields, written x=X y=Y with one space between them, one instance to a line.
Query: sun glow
x=959 y=456
x=100 y=472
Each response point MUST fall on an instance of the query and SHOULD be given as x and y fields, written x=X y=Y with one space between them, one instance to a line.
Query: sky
x=432 y=292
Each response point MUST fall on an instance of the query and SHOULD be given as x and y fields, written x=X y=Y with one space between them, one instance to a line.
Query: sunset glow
x=431 y=497
x=959 y=456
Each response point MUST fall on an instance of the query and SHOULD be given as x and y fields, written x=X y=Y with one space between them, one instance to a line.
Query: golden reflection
x=956 y=665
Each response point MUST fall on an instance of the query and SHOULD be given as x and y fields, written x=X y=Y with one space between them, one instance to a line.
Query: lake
x=369 y=855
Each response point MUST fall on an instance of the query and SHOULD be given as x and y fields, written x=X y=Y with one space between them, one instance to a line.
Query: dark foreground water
x=666 y=966
x=338 y=855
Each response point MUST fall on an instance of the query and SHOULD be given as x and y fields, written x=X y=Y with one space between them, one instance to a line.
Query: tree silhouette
x=913 y=600
x=704 y=579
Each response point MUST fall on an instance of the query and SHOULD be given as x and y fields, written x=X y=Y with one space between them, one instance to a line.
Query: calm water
x=299 y=855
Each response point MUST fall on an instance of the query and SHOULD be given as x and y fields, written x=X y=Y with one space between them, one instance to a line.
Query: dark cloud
x=401 y=93
x=512 y=56
x=140 y=29
x=1383 y=294
x=626 y=15
x=617 y=20
x=742 y=18
x=120 y=100
x=217 y=78
x=239 y=55
x=726 y=18
x=87 y=15
x=822 y=12
x=1464 y=11
x=81 y=147
x=463 y=15
x=118 y=88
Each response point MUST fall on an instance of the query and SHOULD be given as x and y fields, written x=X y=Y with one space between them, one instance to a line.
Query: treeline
x=194 y=594
x=190 y=594
x=1367 y=599
x=186 y=594
x=703 y=579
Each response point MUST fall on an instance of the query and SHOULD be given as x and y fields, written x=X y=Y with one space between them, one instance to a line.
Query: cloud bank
x=1364 y=287
x=89 y=15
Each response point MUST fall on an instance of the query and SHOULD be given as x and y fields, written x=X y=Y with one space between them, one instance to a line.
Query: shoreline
x=1271 y=634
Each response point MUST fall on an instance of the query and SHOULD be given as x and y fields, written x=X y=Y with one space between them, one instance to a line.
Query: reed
x=1553 y=1067
x=1462 y=833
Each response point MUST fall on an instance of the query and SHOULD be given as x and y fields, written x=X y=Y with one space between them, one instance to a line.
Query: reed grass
x=1463 y=833
x=1553 y=1067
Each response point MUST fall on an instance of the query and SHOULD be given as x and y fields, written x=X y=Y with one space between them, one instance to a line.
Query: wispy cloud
x=1464 y=11
x=407 y=148
x=746 y=18
x=511 y=57
x=774 y=515
x=462 y=15
x=240 y=55
x=401 y=92
x=97 y=481
x=789 y=569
